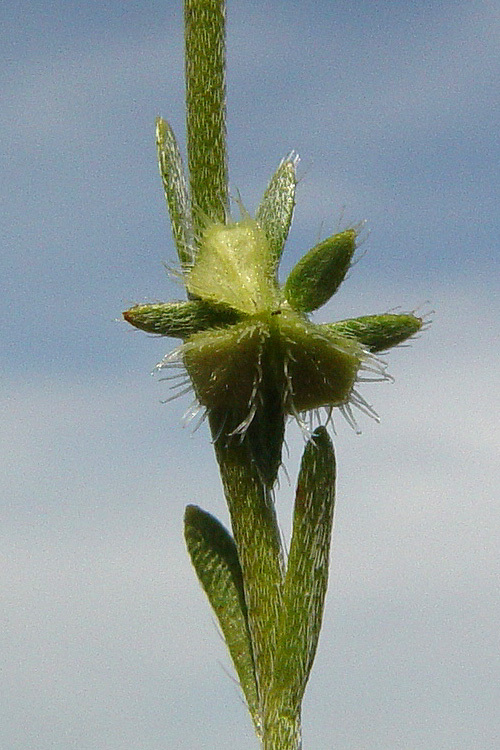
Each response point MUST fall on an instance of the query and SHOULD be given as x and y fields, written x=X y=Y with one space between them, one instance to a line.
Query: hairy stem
x=257 y=539
x=282 y=733
x=206 y=110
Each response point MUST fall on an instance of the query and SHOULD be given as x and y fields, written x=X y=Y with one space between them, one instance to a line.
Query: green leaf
x=205 y=43
x=180 y=319
x=215 y=560
x=275 y=211
x=307 y=575
x=377 y=332
x=318 y=275
x=174 y=185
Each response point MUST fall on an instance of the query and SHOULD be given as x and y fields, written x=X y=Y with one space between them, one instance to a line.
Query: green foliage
x=275 y=211
x=215 y=559
x=180 y=319
x=318 y=275
x=257 y=538
x=307 y=573
x=378 y=332
x=254 y=358
x=176 y=193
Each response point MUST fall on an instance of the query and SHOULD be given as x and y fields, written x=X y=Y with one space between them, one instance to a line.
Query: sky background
x=106 y=640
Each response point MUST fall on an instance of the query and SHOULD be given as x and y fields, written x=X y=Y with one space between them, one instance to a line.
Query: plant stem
x=283 y=733
x=257 y=538
x=206 y=110
x=247 y=465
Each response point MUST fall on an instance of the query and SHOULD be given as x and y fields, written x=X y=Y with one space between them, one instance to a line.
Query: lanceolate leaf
x=307 y=574
x=180 y=319
x=318 y=275
x=215 y=559
x=378 y=332
x=275 y=211
x=174 y=185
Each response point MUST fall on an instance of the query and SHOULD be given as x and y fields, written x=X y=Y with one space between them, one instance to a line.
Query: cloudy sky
x=106 y=640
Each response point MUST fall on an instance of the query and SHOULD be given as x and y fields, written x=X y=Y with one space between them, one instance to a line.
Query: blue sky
x=107 y=641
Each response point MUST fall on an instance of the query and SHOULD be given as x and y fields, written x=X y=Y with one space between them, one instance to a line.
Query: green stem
x=257 y=538
x=283 y=733
x=248 y=464
x=206 y=110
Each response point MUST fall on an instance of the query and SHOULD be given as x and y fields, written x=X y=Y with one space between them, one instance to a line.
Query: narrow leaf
x=378 y=332
x=215 y=559
x=275 y=211
x=307 y=574
x=176 y=194
x=180 y=319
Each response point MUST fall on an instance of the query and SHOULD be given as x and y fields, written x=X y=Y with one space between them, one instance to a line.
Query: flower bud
x=318 y=275
x=234 y=267
x=308 y=367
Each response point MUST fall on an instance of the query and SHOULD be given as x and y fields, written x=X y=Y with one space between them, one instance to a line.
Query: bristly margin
x=374 y=367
